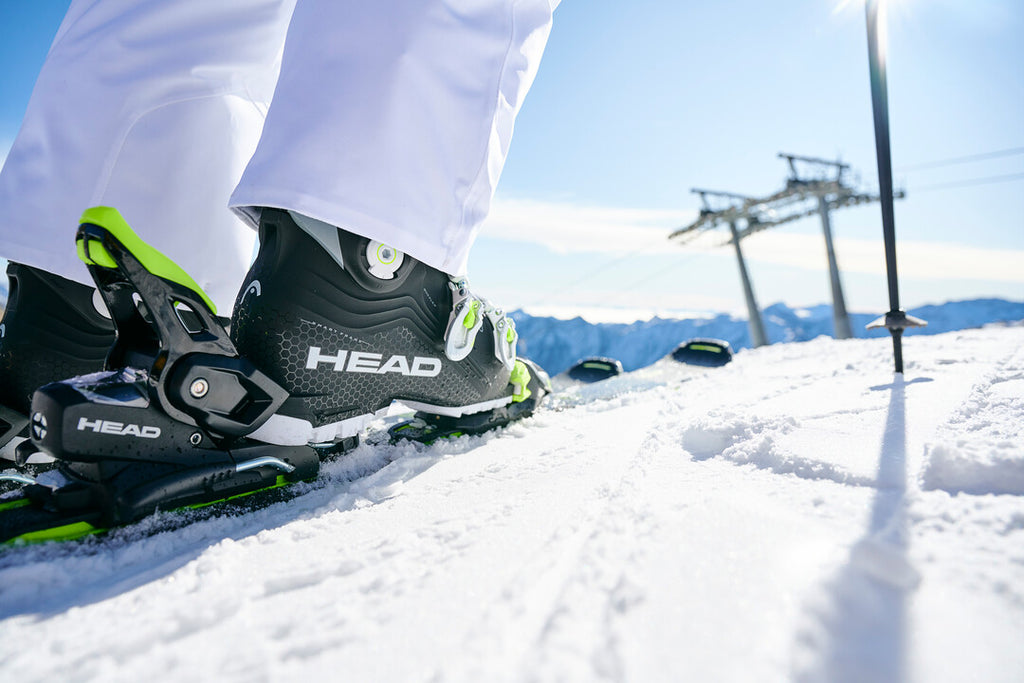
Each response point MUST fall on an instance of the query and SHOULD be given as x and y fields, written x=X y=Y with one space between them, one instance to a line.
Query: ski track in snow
x=799 y=514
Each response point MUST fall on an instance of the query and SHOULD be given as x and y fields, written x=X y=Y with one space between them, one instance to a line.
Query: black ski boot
x=347 y=325
x=51 y=329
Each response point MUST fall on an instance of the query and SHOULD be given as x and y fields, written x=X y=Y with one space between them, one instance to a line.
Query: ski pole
x=895 y=320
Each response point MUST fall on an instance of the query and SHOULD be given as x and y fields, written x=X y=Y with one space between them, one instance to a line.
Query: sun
x=883 y=10
x=900 y=6
x=844 y=5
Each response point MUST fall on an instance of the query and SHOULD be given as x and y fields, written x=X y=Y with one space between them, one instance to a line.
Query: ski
x=23 y=520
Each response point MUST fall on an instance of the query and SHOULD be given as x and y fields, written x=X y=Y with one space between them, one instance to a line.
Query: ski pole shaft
x=883 y=153
x=880 y=108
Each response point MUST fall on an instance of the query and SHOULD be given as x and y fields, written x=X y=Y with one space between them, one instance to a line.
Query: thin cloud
x=936 y=260
x=567 y=228
x=571 y=228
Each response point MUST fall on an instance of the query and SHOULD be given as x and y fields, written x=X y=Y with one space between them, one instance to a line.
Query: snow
x=801 y=514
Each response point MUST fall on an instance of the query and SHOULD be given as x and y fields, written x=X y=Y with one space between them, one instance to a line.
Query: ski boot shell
x=347 y=325
x=51 y=329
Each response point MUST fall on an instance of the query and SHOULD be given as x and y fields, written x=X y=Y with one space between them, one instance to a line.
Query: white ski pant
x=391 y=118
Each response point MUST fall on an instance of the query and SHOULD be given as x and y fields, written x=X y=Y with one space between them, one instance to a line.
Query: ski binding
x=165 y=425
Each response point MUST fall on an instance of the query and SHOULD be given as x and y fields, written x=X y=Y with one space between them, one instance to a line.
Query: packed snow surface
x=801 y=514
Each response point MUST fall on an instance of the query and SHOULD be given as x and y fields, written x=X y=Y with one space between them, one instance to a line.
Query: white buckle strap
x=466 y=319
x=464 y=322
x=505 y=337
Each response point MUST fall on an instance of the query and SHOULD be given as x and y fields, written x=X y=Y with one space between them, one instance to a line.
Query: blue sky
x=636 y=102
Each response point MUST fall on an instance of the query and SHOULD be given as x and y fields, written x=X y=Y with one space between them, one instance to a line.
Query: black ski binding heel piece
x=165 y=424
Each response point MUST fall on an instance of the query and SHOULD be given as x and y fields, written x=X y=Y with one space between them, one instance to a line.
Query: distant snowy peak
x=557 y=343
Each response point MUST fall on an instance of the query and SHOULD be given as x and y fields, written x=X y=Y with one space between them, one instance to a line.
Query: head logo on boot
x=359 y=361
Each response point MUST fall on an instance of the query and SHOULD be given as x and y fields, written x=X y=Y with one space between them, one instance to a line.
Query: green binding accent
x=471 y=314
x=95 y=254
x=704 y=347
x=70 y=532
x=281 y=481
x=597 y=366
x=14 y=504
x=520 y=379
x=65 y=532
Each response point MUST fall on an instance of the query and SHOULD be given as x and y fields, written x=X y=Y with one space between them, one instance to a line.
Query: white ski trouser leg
x=392 y=118
x=153 y=108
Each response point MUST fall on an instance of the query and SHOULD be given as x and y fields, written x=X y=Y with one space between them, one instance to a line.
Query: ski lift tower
x=734 y=208
x=825 y=192
x=824 y=185
x=821 y=188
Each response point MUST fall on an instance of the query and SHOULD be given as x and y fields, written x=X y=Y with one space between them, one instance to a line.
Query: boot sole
x=283 y=430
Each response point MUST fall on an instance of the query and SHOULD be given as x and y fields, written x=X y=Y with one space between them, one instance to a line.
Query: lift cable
x=1010 y=151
